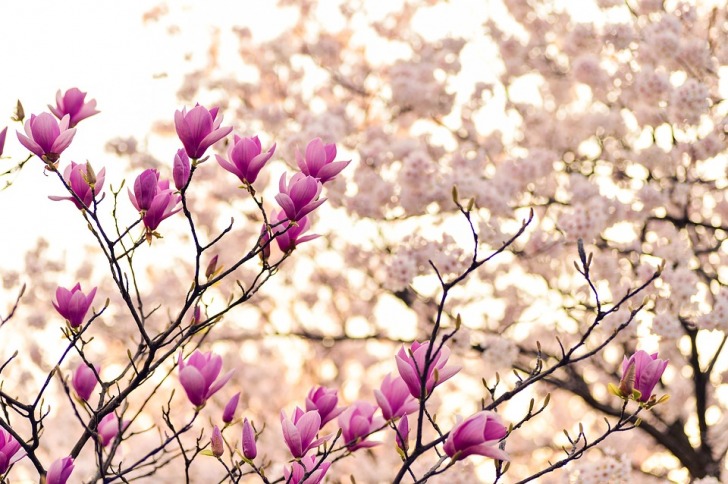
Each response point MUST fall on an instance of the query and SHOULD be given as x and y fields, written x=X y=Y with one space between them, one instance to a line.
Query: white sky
x=132 y=68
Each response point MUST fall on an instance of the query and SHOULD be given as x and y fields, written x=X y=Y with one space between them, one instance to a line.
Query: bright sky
x=132 y=67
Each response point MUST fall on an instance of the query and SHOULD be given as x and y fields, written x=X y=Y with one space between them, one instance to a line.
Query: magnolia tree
x=492 y=301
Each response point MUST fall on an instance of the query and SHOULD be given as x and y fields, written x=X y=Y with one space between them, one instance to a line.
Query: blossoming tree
x=508 y=272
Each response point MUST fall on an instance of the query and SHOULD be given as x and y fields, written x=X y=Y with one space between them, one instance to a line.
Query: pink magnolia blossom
x=73 y=304
x=324 y=401
x=3 y=134
x=319 y=161
x=109 y=428
x=199 y=376
x=181 y=169
x=477 y=435
x=250 y=451
x=246 y=158
x=307 y=464
x=10 y=451
x=641 y=372
x=300 y=431
x=401 y=437
x=394 y=398
x=164 y=205
x=357 y=422
x=60 y=471
x=146 y=186
x=45 y=137
x=411 y=367
x=73 y=103
x=76 y=176
x=287 y=236
x=199 y=129
x=299 y=196
x=216 y=443
x=154 y=199
x=228 y=413
x=84 y=381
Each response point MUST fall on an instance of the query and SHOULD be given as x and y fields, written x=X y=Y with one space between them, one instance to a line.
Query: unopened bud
x=216 y=442
x=212 y=268
x=89 y=176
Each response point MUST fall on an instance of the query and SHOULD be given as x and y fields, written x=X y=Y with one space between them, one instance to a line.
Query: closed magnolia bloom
x=181 y=169
x=319 y=161
x=154 y=199
x=146 y=187
x=10 y=451
x=477 y=435
x=641 y=372
x=357 y=422
x=199 y=376
x=216 y=442
x=3 y=134
x=84 y=381
x=324 y=401
x=199 y=129
x=300 y=431
x=109 y=427
x=295 y=475
x=73 y=103
x=250 y=451
x=402 y=435
x=411 y=366
x=246 y=158
x=60 y=471
x=394 y=398
x=77 y=176
x=45 y=137
x=73 y=304
x=228 y=413
x=299 y=196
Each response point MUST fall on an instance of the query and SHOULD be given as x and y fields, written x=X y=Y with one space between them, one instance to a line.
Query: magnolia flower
x=164 y=205
x=246 y=158
x=79 y=178
x=299 y=196
x=146 y=186
x=84 y=381
x=304 y=466
x=216 y=442
x=287 y=236
x=319 y=161
x=394 y=398
x=73 y=103
x=411 y=367
x=181 y=169
x=357 y=422
x=324 y=401
x=300 y=431
x=45 y=137
x=60 y=471
x=640 y=374
x=10 y=451
x=3 y=134
x=74 y=304
x=402 y=434
x=199 y=129
x=228 y=414
x=250 y=451
x=477 y=435
x=198 y=376
x=109 y=428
